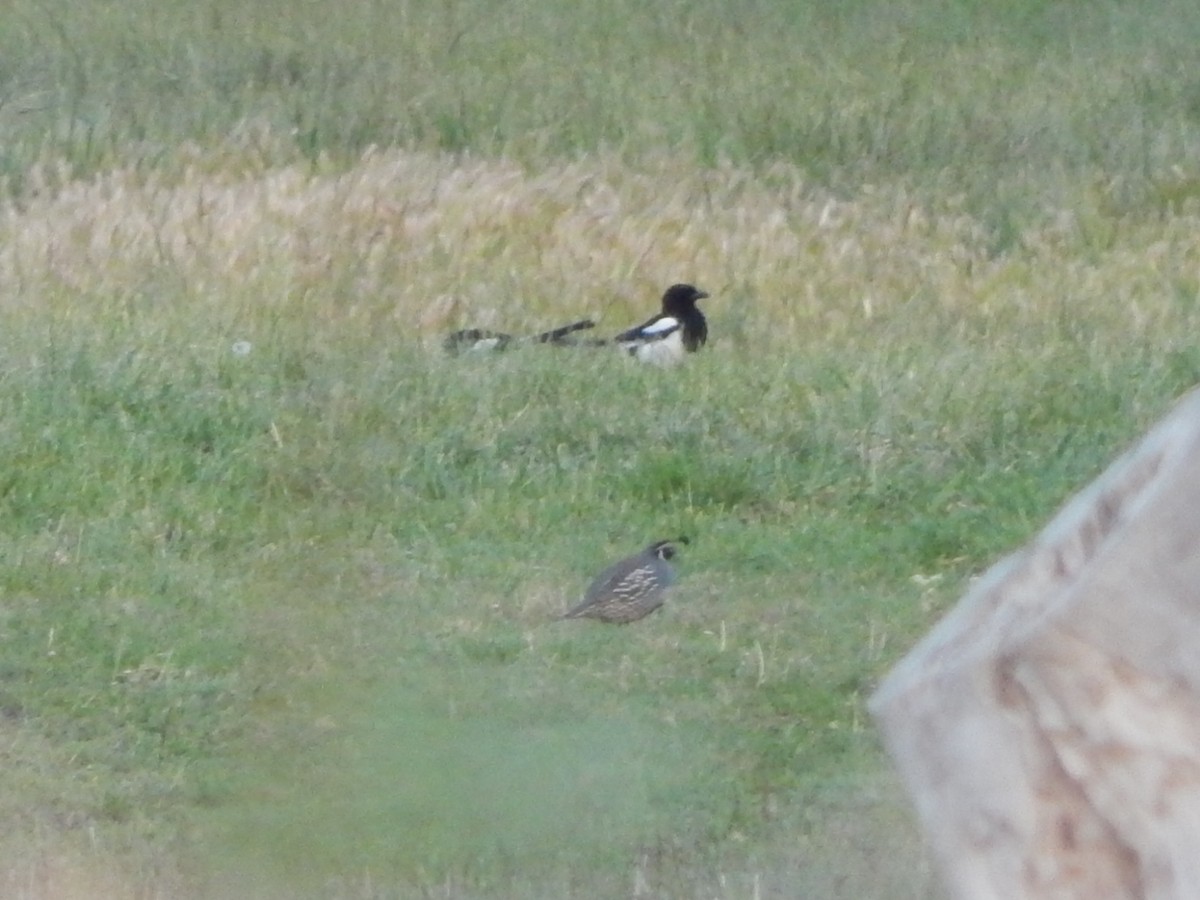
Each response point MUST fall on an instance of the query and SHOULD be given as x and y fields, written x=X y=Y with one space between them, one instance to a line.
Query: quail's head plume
x=631 y=588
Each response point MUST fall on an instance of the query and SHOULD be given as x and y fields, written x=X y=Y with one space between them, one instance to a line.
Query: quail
x=680 y=328
x=632 y=588
x=471 y=339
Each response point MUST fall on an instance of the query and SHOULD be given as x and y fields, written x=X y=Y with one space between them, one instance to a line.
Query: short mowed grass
x=279 y=578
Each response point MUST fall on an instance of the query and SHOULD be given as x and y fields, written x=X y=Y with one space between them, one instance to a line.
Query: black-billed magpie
x=680 y=328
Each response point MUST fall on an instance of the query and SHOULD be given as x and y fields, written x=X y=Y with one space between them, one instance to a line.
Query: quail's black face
x=667 y=549
x=681 y=297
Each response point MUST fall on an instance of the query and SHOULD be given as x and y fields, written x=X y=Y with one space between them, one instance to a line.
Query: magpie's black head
x=681 y=298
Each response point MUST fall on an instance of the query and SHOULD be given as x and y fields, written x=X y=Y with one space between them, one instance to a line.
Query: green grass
x=1013 y=107
x=309 y=618
x=281 y=624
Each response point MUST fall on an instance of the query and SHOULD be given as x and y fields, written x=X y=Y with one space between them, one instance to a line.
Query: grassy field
x=278 y=577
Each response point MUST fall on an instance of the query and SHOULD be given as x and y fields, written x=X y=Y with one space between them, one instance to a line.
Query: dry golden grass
x=83 y=876
x=439 y=241
x=52 y=849
x=433 y=242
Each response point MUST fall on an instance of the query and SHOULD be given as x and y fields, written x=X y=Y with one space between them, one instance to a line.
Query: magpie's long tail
x=556 y=335
x=469 y=340
x=474 y=339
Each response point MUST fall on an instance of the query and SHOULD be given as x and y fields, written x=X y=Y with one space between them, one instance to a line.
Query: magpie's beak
x=700 y=295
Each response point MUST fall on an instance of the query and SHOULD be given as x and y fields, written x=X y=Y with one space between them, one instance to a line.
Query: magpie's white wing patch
x=661 y=327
